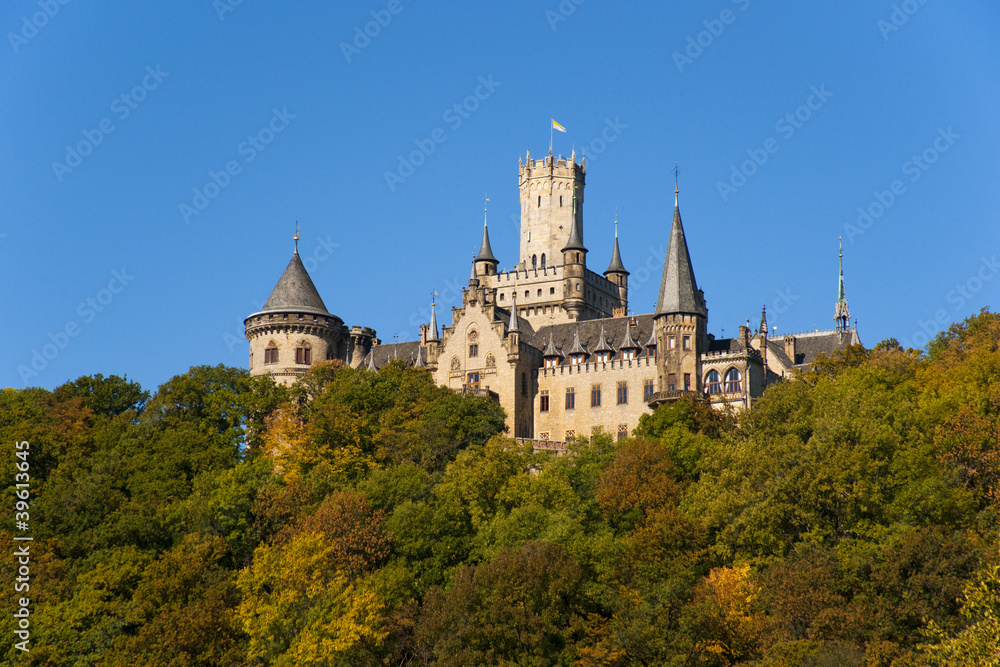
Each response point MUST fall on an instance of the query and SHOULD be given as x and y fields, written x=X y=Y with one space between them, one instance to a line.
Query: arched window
x=271 y=353
x=534 y=261
x=303 y=354
x=543 y=260
x=714 y=382
x=733 y=382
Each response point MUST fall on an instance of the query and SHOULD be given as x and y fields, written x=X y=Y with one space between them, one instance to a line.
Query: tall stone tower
x=547 y=214
x=681 y=318
x=294 y=328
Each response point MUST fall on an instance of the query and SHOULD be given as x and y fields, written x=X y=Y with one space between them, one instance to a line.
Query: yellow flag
x=557 y=126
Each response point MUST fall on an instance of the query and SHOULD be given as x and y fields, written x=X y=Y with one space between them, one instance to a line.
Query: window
x=271 y=354
x=474 y=350
x=527 y=293
x=647 y=390
x=543 y=258
x=524 y=384
x=552 y=290
x=628 y=355
x=622 y=431
x=539 y=292
x=539 y=200
x=303 y=355
x=551 y=362
x=595 y=396
x=576 y=359
x=671 y=381
x=570 y=434
x=687 y=342
x=544 y=435
x=687 y=382
x=543 y=405
x=578 y=287
x=604 y=357
x=651 y=351
x=560 y=200
x=622 y=393
x=670 y=343
x=570 y=398
x=714 y=382
x=501 y=297
x=534 y=261
x=473 y=380
x=733 y=383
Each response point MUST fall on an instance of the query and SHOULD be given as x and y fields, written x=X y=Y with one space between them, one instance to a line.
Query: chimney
x=423 y=333
x=790 y=347
x=745 y=335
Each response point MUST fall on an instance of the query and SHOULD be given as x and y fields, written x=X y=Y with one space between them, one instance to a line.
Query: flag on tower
x=557 y=126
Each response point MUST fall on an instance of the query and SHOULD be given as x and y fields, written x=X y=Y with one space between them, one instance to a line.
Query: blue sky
x=157 y=155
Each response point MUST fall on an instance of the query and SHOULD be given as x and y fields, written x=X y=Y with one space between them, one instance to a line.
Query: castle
x=552 y=340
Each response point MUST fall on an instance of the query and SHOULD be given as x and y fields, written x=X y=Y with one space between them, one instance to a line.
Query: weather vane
x=296 y=237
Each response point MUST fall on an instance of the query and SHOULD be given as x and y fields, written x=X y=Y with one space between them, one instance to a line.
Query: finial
x=486 y=201
x=433 y=295
x=616 y=222
x=840 y=253
x=296 y=237
x=677 y=189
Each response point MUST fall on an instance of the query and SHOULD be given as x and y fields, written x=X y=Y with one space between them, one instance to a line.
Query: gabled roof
x=295 y=291
x=679 y=291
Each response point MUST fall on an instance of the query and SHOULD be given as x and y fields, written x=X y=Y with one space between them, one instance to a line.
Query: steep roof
x=616 y=265
x=485 y=251
x=295 y=291
x=575 y=241
x=577 y=347
x=678 y=289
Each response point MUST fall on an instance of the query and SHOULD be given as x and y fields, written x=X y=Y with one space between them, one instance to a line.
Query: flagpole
x=551 y=130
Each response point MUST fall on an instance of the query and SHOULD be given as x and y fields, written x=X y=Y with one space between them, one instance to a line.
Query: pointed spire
x=419 y=361
x=577 y=347
x=515 y=324
x=575 y=241
x=763 y=320
x=616 y=265
x=370 y=363
x=602 y=343
x=296 y=237
x=843 y=313
x=485 y=251
x=652 y=338
x=679 y=291
x=551 y=350
x=434 y=320
x=628 y=343
x=474 y=278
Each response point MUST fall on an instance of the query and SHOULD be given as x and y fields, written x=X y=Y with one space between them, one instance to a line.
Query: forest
x=850 y=517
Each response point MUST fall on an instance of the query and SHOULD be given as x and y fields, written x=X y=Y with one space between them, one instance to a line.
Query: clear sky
x=155 y=157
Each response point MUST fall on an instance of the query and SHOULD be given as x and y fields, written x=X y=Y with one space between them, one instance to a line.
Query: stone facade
x=551 y=340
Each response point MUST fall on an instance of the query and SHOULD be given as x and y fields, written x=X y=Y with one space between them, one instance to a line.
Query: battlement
x=550 y=162
x=596 y=368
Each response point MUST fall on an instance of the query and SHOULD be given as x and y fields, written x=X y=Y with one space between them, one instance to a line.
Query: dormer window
x=651 y=351
x=576 y=359
x=628 y=355
x=603 y=357
x=551 y=362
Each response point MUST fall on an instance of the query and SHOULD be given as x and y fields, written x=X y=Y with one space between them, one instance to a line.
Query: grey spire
x=652 y=338
x=842 y=314
x=678 y=290
x=295 y=291
x=552 y=350
x=474 y=278
x=575 y=241
x=419 y=362
x=485 y=251
x=370 y=364
x=514 y=325
x=628 y=343
x=763 y=320
x=602 y=343
x=577 y=347
x=616 y=265
x=434 y=323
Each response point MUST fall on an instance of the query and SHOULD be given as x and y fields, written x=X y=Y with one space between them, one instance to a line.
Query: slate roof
x=811 y=344
x=485 y=251
x=678 y=289
x=616 y=265
x=295 y=292
x=590 y=332
x=405 y=351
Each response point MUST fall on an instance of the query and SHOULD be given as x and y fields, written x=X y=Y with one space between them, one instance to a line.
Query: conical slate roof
x=602 y=343
x=652 y=338
x=514 y=324
x=485 y=251
x=295 y=291
x=433 y=333
x=575 y=241
x=678 y=289
x=616 y=265
x=552 y=350
x=628 y=343
x=577 y=347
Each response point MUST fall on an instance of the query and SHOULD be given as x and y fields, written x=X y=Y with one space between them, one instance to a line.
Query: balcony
x=482 y=392
x=672 y=395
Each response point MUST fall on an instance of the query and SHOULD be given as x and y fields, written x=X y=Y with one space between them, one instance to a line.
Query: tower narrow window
x=543 y=260
x=560 y=200
x=534 y=261
x=539 y=201
x=474 y=350
x=687 y=342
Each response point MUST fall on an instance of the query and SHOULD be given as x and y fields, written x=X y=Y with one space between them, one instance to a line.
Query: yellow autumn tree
x=299 y=607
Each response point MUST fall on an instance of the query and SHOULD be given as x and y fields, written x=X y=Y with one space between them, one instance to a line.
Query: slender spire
x=575 y=241
x=616 y=265
x=434 y=320
x=679 y=291
x=474 y=278
x=370 y=365
x=515 y=324
x=485 y=251
x=577 y=347
x=628 y=343
x=842 y=314
x=419 y=361
x=602 y=343
x=763 y=320
x=552 y=350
